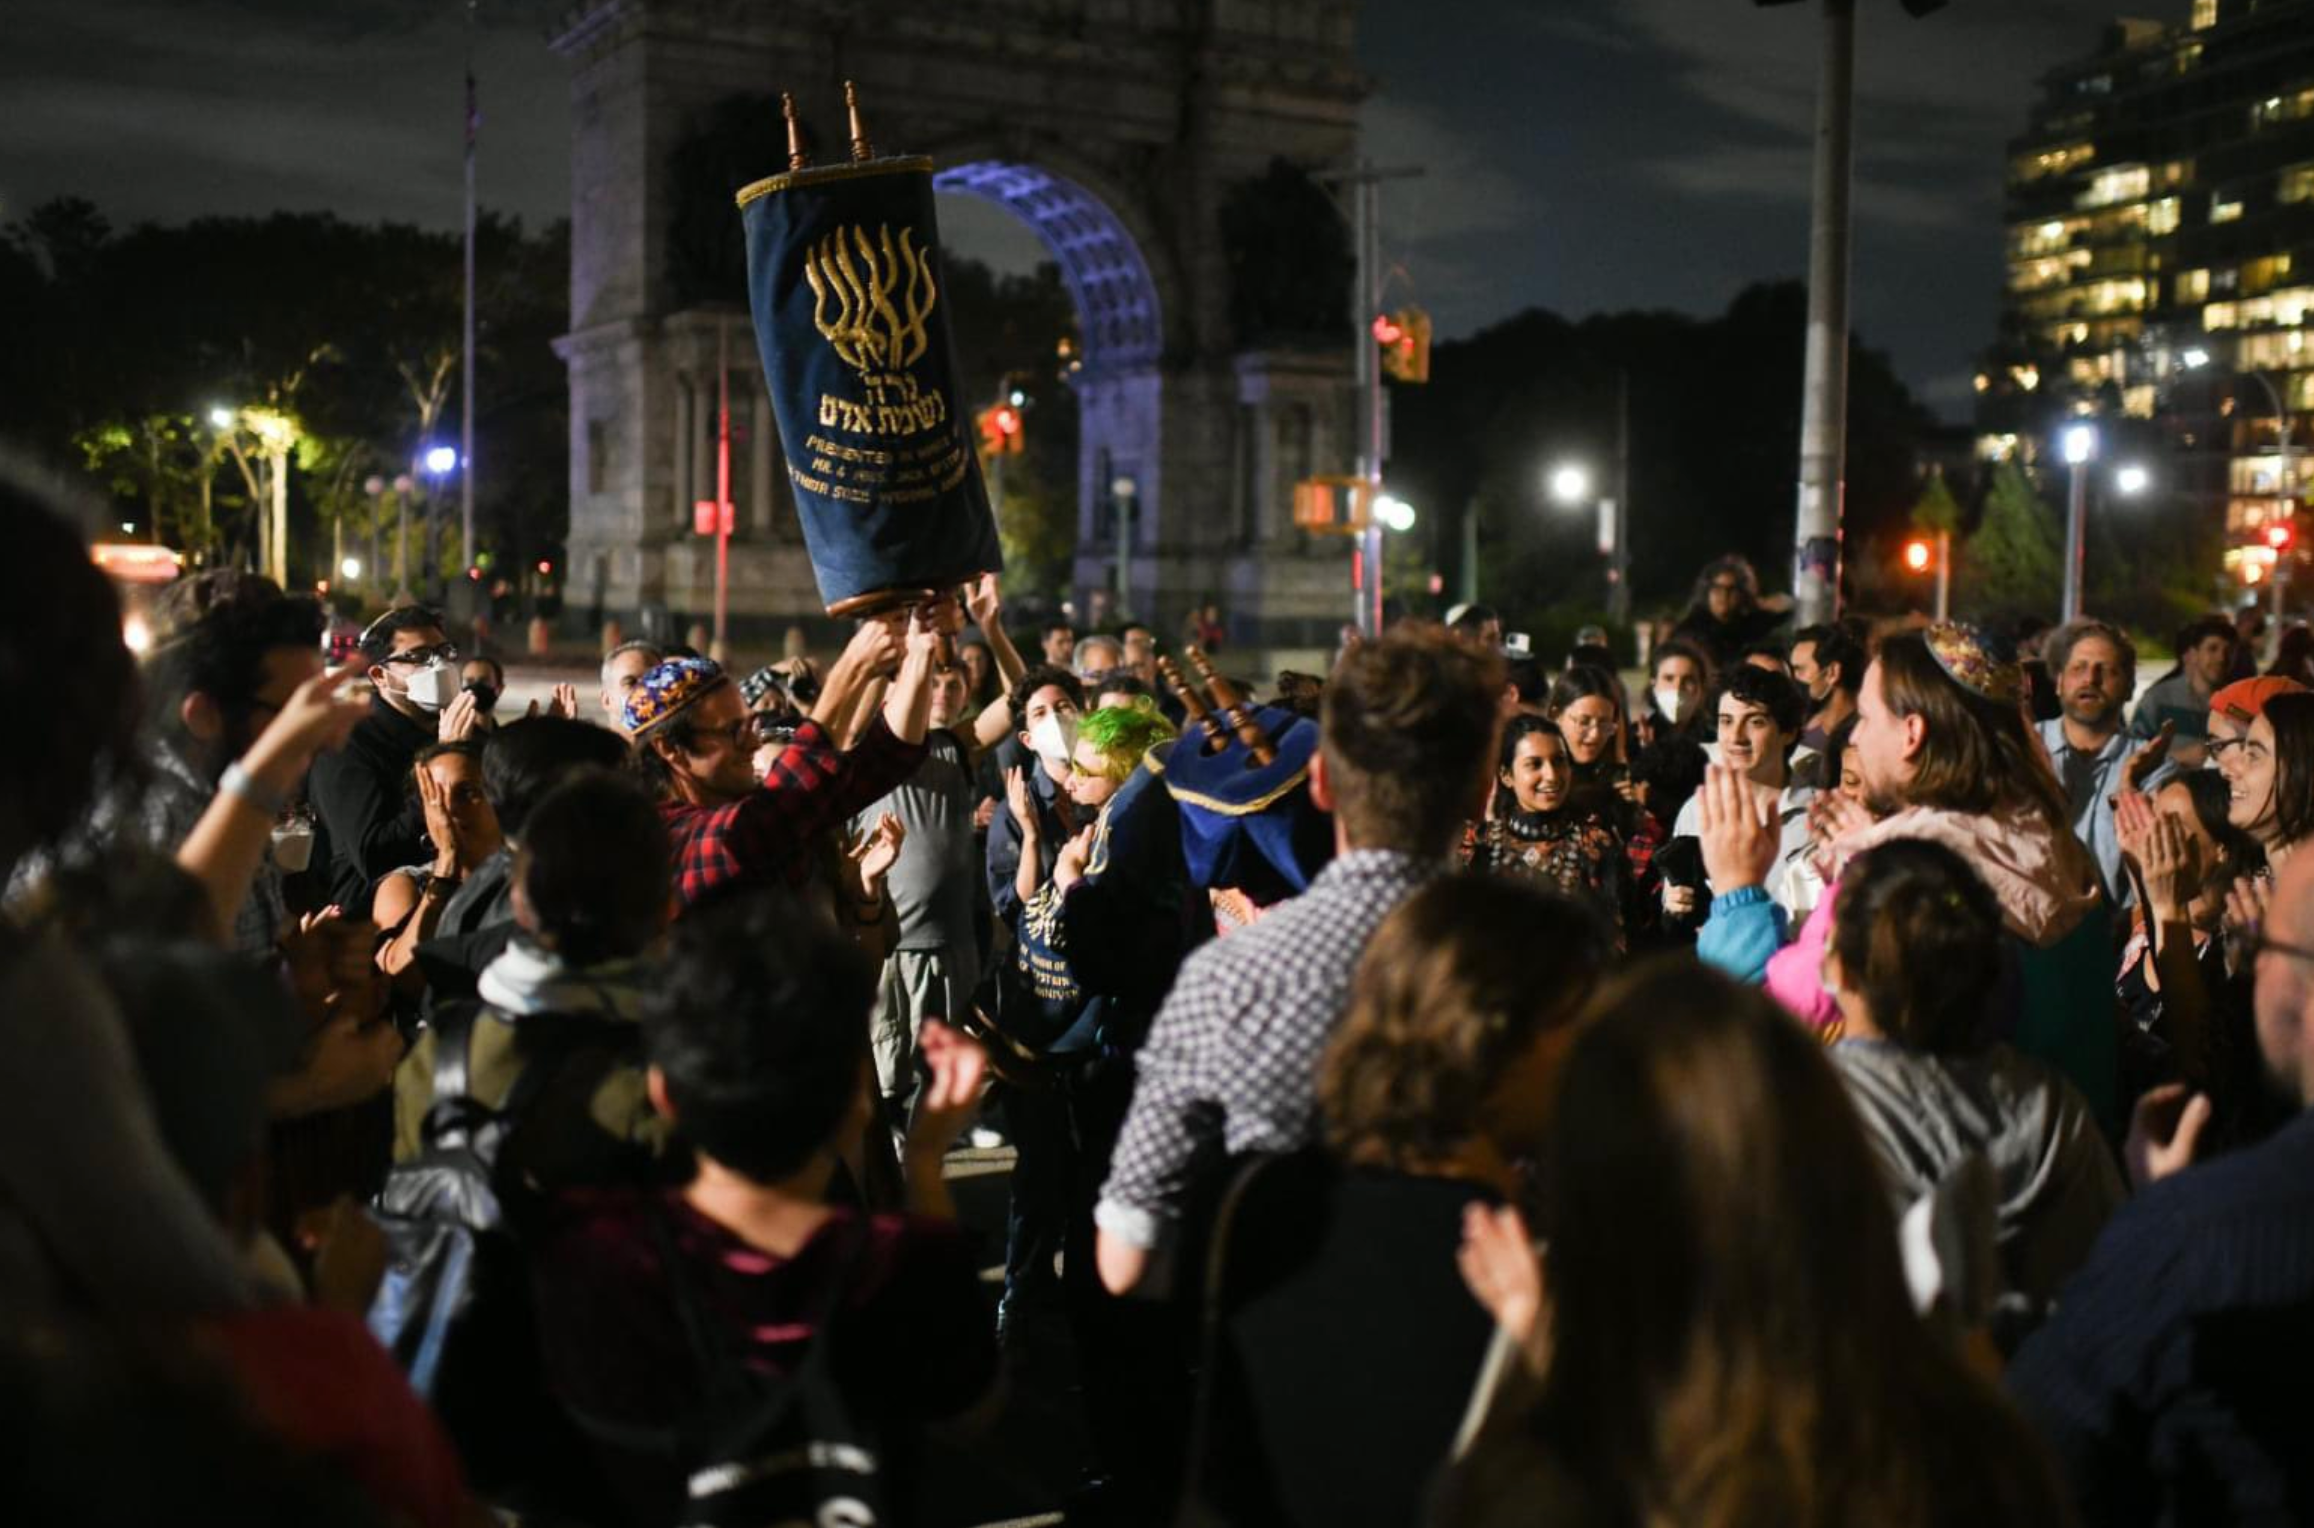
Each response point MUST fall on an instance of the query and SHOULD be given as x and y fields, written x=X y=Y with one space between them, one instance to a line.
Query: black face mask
x=485 y=698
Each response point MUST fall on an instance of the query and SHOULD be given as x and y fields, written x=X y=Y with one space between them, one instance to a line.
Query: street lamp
x=2079 y=445
x=439 y=462
x=1570 y=485
x=2132 y=479
x=1396 y=514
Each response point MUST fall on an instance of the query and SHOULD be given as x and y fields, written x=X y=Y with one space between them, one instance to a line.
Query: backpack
x=454 y=1308
x=761 y=1451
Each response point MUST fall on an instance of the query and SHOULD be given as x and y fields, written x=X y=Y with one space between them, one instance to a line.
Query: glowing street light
x=1570 y=484
x=441 y=460
x=2078 y=443
x=351 y=568
x=2132 y=479
x=1397 y=514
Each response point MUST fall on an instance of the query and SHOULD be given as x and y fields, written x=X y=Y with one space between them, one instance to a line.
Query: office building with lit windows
x=2160 y=255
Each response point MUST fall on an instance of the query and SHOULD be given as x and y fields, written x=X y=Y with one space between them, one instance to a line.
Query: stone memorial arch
x=1115 y=130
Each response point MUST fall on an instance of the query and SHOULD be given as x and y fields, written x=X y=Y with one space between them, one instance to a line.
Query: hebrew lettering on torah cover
x=855 y=281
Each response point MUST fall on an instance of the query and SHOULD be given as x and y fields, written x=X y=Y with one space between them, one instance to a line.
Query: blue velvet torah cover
x=845 y=285
x=1247 y=825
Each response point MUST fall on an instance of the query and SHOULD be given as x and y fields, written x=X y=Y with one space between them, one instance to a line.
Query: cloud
x=164 y=112
x=1936 y=99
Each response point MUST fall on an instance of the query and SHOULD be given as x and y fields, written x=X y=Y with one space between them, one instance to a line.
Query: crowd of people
x=1862 y=1079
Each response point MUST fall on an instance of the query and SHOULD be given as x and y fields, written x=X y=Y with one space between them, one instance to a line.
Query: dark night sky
x=1581 y=154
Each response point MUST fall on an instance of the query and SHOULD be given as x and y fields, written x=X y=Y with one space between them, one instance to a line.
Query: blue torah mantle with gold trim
x=845 y=286
x=1247 y=825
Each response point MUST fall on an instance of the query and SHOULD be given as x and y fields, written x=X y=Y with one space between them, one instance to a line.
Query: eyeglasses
x=419 y=657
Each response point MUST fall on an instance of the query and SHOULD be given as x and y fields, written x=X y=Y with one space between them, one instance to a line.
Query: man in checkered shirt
x=1404 y=757
x=698 y=743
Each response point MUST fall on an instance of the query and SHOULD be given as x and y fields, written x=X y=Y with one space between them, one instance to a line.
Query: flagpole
x=466 y=423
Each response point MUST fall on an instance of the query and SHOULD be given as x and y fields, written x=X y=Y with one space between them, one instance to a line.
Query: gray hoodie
x=1924 y=1113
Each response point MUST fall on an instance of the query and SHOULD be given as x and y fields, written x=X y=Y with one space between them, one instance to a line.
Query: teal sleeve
x=1744 y=929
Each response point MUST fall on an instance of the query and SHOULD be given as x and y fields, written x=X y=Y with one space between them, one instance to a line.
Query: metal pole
x=1619 y=564
x=1470 y=552
x=1944 y=575
x=721 y=648
x=1824 y=392
x=1366 y=199
x=2076 y=537
x=1121 y=494
x=466 y=421
x=280 y=457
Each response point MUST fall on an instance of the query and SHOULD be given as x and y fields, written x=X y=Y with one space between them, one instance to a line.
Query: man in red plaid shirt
x=698 y=740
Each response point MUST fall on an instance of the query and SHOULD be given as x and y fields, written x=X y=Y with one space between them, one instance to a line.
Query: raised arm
x=985 y=603
x=228 y=843
x=867 y=659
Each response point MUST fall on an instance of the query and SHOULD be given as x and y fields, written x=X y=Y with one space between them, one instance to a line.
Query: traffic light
x=1405 y=340
x=1000 y=430
x=1918 y=555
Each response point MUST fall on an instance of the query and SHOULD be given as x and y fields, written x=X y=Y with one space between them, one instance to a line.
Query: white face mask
x=1670 y=700
x=293 y=846
x=1054 y=739
x=434 y=686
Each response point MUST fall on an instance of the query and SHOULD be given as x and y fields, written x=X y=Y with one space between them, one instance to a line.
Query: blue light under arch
x=1116 y=299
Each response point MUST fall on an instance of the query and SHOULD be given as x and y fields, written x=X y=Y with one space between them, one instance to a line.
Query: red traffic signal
x=1000 y=430
x=1405 y=340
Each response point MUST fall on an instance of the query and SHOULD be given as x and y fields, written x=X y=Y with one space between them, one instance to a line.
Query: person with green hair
x=1111 y=743
x=1067 y=1013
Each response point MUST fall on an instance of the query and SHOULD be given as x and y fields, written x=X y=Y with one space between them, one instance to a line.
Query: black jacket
x=365 y=796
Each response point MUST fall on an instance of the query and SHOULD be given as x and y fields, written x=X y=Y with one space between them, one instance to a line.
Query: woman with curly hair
x=1728 y=613
x=1344 y=1348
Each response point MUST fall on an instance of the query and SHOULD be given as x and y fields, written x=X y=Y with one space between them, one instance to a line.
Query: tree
x=1936 y=510
x=2013 y=564
x=158 y=461
x=1714 y=430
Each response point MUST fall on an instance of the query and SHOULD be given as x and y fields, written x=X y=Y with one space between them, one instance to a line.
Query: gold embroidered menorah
x=854 y=281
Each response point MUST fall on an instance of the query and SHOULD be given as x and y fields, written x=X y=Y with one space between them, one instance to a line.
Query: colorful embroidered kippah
x=668 y=689
x=1976 y=661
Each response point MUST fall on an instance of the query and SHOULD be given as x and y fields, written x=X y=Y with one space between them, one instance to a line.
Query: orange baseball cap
x=2244 y=700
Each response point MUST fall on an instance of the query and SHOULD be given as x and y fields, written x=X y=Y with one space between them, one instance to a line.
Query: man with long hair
x=1945 y=755
x=1941 y=742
